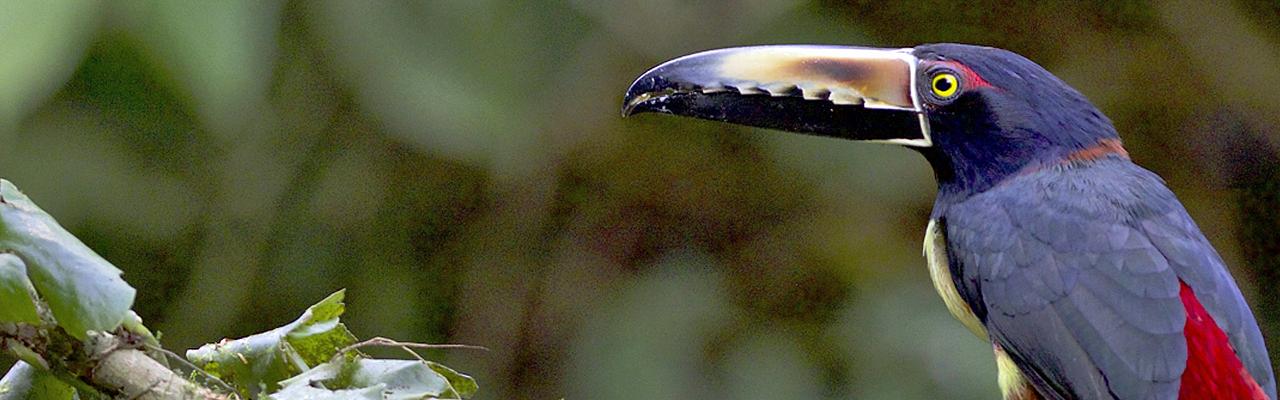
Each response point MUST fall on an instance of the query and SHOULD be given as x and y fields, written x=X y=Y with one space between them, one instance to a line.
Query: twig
x=381 y=341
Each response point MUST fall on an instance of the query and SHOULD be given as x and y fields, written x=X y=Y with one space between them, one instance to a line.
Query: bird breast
x=935 y=252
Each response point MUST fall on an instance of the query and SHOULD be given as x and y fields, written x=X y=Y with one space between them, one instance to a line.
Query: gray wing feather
x=1076 y=272
x=1101 y=318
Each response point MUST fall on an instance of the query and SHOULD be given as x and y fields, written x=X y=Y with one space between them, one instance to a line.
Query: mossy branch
x=108 y=365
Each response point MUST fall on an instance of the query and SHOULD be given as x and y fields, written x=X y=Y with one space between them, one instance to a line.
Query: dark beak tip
x=636 y=101
x=633 y=107
x=647 y=91
x=628 y=108
x=629 y=101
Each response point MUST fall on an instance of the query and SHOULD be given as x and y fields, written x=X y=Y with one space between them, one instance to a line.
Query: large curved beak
x=846 y=92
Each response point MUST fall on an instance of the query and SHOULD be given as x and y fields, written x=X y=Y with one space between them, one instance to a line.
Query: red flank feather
x=1213 y=369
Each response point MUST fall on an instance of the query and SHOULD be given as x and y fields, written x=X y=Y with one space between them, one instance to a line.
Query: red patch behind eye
x=1213 y=369
x=971 y=78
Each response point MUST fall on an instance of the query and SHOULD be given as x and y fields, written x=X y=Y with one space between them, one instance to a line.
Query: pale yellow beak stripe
x=875 y=78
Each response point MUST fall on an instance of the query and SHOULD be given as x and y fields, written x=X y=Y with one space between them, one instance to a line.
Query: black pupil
x=944 y=84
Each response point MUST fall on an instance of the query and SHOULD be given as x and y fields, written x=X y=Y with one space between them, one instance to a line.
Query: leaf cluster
x=63 y=309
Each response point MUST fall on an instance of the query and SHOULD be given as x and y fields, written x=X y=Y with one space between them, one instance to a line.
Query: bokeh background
x=461 y=168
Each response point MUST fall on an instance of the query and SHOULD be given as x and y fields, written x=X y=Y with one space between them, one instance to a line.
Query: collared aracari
x=1082 y=270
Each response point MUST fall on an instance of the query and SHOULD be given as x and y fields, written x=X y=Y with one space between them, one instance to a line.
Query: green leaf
x=318 y=335
x=84 y=291
x=24 y=382
x=405 y=379
x=263 y=363
x=309 y=385
x=389 y=379
x=250 y=364
x=17 y=296
x=257 y=363
x=304 y=392
x=464 y=385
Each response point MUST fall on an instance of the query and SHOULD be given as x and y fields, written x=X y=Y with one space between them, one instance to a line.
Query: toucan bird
x=1081 y=268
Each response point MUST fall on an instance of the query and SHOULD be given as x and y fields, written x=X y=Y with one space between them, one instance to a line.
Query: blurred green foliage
x=460 y=167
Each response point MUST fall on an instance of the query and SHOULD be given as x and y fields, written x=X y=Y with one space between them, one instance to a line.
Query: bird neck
x=966 y=171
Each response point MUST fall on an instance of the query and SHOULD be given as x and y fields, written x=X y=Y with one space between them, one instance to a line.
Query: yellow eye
x=945 y=85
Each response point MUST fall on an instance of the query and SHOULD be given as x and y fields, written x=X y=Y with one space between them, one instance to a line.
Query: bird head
x=979 y=114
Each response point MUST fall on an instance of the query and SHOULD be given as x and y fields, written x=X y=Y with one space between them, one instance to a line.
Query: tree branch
x=110 y=364
x=129 y=373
